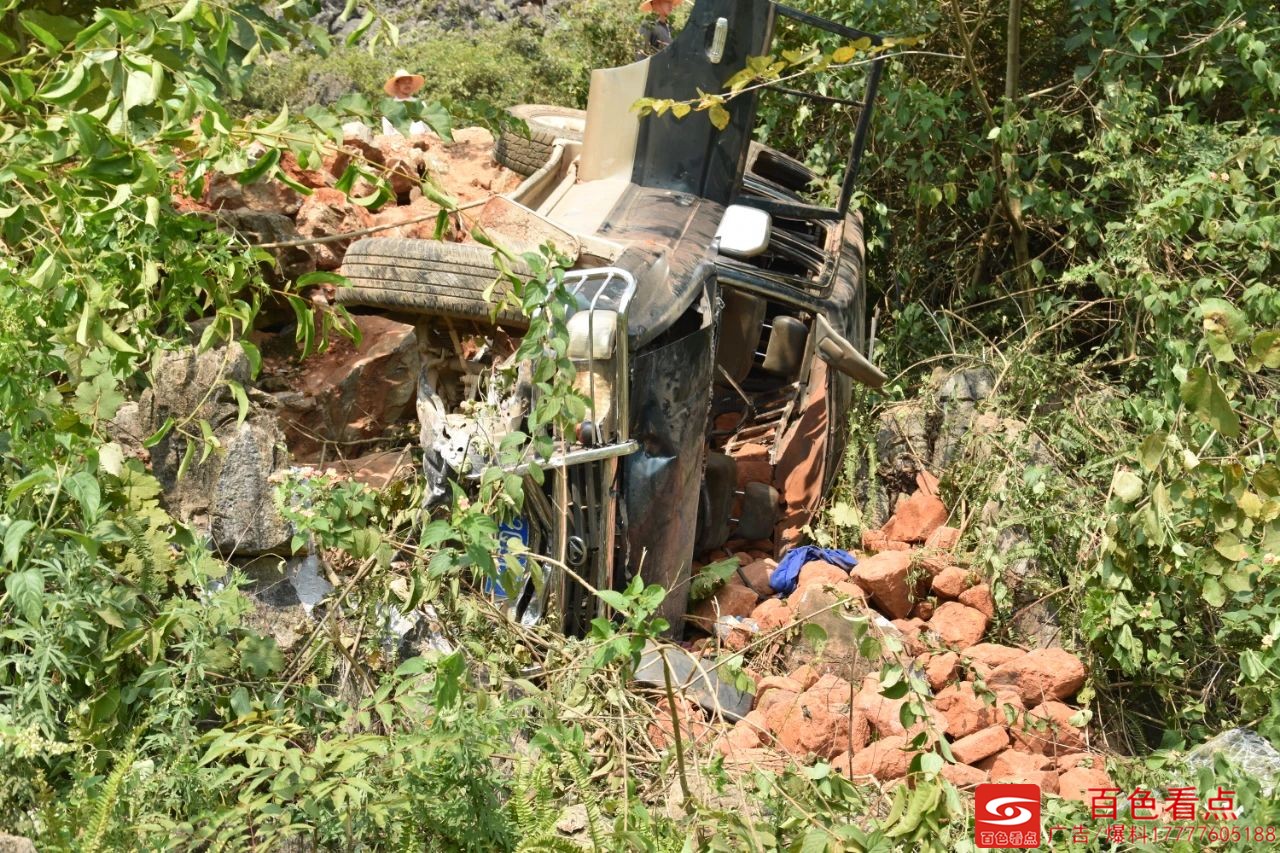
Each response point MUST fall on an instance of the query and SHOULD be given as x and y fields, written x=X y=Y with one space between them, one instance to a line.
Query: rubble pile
x=1006 y=712
x=463 y=169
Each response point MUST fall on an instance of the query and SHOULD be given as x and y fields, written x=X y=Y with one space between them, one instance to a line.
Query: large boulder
x=227 y=494
x=352 y=393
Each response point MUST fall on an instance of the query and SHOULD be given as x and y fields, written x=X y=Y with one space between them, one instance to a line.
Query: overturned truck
x=720 y=319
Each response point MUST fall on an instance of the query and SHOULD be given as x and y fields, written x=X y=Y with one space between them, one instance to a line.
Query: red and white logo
x=1007 y=816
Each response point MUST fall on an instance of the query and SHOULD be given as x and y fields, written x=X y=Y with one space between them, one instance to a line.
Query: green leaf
x=1201 y=393
x=1230 y=547
x=261 y=655
x=1266 y=349
x=13 y=539
x=26 y=591
x=614 y=599
x=186 y=13
x=718 y=116
x=1213 y=593
x=260 y=167
x=1127 y=486
x=70 y=87
x=83 y=486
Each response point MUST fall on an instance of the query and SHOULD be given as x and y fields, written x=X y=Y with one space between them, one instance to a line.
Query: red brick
x=1040 y=674
x=819 y=571
x=1047 y=730
x=980 y=598
x=981 y=744
x=944 y=538
x=885 y=759
x=916 y=518
x=940 y=668
x=1074 y=784
x=965 y=712
x=772 y=614
x=950 y=582
x=958 y=626
x=963 y=776
x=731 y=599
x=884 y=576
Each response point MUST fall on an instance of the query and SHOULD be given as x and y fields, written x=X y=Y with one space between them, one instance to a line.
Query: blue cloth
x=784 y=577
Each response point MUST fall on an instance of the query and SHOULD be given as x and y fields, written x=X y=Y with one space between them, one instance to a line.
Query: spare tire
x=527 y=153
x=427 y=277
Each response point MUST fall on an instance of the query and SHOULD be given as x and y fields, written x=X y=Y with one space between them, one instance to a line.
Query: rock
x=916 y=518
x=815 y=725
x=940 y=669
x=984 y=657
x=277 y=609
x=693 y=728
x=772 y=614
x=756 y=575
x=875 y=540
x=225 y=192
x=1047 y=730
x=228 y=495
x=840 y=653
x=16 y=844
x=981 y=744
x=959 y=626
x=909 y=631
x=980 y=598
x=731 y=599
x=820 y=572
x=358 y=136
x=776 y=682
x=885 y=759
x=1074 y=784
x=1065 y=762
x=258 y=228
x=944 y=538
x=402 y=162
x=415 y=220
x=1040 y=674
x=352 y=393
x=378 y=470
x=884 y=577
x=923 y=610
x=950 y=582
x=831 y=689
x=902 y=441
x=1012 y=766
x=741 y=736
x=806 y=675
x=962 y=775
x=774 y=706
x=885 y=714
x=958 y=395
x=965 y=712
x=325 y=213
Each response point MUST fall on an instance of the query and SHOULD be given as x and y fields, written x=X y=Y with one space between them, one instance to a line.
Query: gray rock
x=16 y=844
x=840 y=653
x=691 y=677
x=258 y=228
x=227 y=494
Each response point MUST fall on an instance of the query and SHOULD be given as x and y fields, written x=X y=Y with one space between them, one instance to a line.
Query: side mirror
x=744 y=231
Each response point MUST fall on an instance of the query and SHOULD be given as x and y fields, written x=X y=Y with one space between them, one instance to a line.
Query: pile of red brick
x=1003 y=710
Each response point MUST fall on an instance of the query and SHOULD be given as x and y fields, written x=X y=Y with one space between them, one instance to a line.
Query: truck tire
x=426 y=277
x=527 y=154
